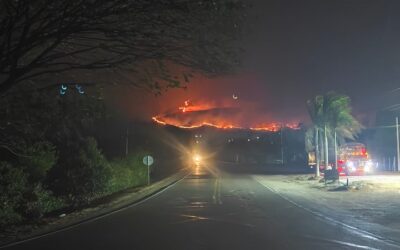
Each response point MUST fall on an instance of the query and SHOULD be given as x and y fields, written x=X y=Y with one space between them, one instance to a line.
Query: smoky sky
x=300 y=48
x=293 y=50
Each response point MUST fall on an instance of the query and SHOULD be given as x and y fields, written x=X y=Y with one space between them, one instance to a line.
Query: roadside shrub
x=13 y=184
x=97 y=167
x=41 y=157
x=37 y=159
x=45 y=202
x=39 y=201
x=82 y=174
x=8 y=216
x=128 y=172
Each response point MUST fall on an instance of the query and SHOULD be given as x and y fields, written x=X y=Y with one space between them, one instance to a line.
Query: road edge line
x=101 y=215
x=356 y=230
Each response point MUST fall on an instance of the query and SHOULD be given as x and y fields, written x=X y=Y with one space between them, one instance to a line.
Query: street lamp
x=281 y=133
x=398 y=143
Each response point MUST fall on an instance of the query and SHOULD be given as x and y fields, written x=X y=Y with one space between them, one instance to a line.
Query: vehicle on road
x=354 y=159
x=197 y=159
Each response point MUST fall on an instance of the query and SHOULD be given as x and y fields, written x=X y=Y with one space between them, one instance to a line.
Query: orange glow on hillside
x=221 y=126
x=189 y=107
x=191 y=116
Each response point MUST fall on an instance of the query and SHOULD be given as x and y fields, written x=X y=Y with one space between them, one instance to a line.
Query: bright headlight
x=368 y=166
x=197 y=158
x=350 y=164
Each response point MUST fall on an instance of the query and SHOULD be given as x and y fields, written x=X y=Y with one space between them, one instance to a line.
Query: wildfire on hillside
x=191 y=115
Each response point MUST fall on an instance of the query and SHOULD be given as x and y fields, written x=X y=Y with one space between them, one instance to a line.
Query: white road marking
x=96 y=218
x=332 y=221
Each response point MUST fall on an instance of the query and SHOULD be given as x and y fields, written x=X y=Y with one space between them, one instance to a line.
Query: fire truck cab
x=353 y=159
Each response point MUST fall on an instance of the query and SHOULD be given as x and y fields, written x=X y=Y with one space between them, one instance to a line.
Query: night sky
x=302 y=48
x=295 y=49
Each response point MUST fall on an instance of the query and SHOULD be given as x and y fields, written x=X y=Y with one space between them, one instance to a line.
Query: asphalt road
x=210 y=209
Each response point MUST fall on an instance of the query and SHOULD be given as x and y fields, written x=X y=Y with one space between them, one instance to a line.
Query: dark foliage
x=44 y=37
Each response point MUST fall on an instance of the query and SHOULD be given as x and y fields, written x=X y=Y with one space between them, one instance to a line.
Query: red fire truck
x=353 y=159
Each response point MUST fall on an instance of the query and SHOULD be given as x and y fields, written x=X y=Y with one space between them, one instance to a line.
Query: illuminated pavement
x=376 y=178
x=211 y=209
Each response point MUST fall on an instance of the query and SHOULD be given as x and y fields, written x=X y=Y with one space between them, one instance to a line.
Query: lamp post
x=282 y=158
x=127 y=142
x=395 y=108
x=398 y=143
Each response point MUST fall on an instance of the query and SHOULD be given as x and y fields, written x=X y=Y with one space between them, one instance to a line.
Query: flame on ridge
x=179 y=119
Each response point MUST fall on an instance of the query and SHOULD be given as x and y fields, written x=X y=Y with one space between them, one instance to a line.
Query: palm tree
x=311 y=141
x=343 y=123
x=314 y=107
x=331 y=114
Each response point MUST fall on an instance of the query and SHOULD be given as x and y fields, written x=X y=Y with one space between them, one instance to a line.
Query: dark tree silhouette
x=42 y=37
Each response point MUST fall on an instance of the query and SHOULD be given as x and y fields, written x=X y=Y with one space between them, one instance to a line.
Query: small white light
x=368 y=166
x=352 y=169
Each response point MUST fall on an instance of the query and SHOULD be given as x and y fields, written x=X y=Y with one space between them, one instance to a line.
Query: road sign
x=148 y=160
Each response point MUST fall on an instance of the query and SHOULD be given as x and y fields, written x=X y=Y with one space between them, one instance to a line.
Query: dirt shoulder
x=371 y=204
x=98 y=209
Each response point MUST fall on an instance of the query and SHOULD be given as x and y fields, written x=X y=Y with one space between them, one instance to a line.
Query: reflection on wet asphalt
x=210 y=209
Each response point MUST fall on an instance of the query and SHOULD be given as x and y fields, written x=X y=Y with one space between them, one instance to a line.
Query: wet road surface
x=210 y=209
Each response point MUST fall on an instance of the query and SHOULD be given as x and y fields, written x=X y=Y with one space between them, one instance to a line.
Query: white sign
x=148 y=160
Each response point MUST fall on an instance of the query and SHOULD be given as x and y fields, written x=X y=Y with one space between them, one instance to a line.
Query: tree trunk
x=321 y=148
x=336 y=158
x=326 y=147
x=317 y=174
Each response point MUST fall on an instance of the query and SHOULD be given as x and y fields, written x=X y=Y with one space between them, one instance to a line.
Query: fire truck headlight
x=368 y=166
x=350 y=164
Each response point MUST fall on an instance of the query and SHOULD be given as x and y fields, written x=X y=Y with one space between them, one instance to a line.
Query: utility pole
x=398 y=143
x=282 y=144
x=336 y=156
x=317 y=154
x=326 y=148
x=127 y=142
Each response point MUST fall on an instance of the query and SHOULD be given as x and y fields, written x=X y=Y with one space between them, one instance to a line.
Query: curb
x=119 y=204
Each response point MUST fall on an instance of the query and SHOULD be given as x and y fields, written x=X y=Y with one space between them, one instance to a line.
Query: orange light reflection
x=189 y=107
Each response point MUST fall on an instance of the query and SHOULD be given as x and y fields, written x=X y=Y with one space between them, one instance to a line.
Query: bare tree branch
x=38 y=38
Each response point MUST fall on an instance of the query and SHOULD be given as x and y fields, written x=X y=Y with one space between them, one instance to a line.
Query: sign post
x=148 y=161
